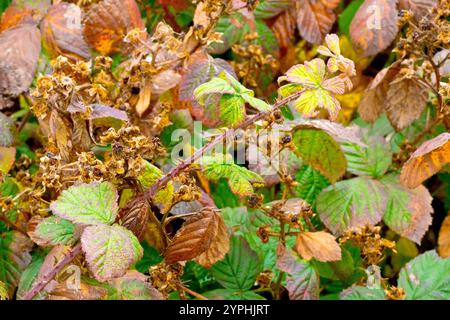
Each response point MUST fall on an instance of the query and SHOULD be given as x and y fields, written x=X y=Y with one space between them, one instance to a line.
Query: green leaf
x=150 y=258
x=229 y=294
x=14 y=258
x=239 y=178
x=256 y=103
x=320 y=151
x=133 y=288
x=56 y=231
x=289 y=89
x=110 y=250
x=149 y=176
x=372 y=160
x=29 y=275
x=215 y=85
x=232 y=109
x=270 y=8
x=426 y=277
x=351 y=203
x=302 y=281
x=408 y=211
x=239 y=268
x=310 y=183
x=312 y=99
x=363 y=293
x=93 y=203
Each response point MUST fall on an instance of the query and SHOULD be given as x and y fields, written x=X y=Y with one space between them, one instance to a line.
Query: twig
x=223 y=137
x=53 y=272
x=192 y=293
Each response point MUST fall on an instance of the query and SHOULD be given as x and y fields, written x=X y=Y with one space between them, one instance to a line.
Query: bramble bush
x=272 y=149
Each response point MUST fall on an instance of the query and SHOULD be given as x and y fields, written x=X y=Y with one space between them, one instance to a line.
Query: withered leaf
x=405 y=101
x=373 y=102
x=320 y=245
x=65 y=291
x=60 y=133
x=374 y=26
x=19 y=11
x=444 y=238
x=419 y=7
x=219 y=247
x=62 y=31
x=284 y=29
x=108 y=22
x=134 y=286
x=315 y=18
x=427 y=160
x=134 y=216
x=19 y=53
x=194 y=238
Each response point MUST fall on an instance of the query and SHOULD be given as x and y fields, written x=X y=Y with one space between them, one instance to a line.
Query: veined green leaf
x=363 y=293
x=93 y=203
x=232 y=109
x=215 y=85
x=256 y=103
x=55 y=231
x=149 y=176
x=426 y=277
x=110 y=250
x=229 y=294
x=239 y=268
x=351 y=203
x=310 y=183
x=289 y=89
x=320 y=151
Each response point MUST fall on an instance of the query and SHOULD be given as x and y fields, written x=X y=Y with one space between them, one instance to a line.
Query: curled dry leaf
x=427 y=160
x=374 y=26
x=321 y=246
x=406 y=99
x=134 y=216
x=419 y=8
x=108 y=22
x=194 y=238
x=19 y=53
x=315 y=18
x=444 y=239
x=62 y=32
x=219 y=247
x=373 y=102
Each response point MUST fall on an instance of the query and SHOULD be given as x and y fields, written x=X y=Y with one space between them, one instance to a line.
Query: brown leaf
x=284 y=29
x=427 y=160
x=373 y=101
x=194 y=238
x=63 y=291
x=405 y=101
x=31 y=227
x=134 y=216
x=21 y=10
x=374 y=26
x=320 y=245
x=444 y=238
x=108 y=22
x=419 y=7
x=60 y=133
x=219 y=247
x=315 y=18
x=19 y=53
x=62 y=32
x=145 y=96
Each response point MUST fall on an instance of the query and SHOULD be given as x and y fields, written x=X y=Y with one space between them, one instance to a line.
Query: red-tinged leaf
x=405 y=101
x=19 y=53
x=373 y=102
x=320 y=245
x=426 y=161
x=108 y=22
x=134 y=286
x=52 y=231
x=110 y=250
x=315 y=18
x=62 y=31
x=374 y=26
x=21 y=10
x=194 y=238
x=219 y=247
x=302 y=281
x=408 y=211
x=101 y=111
x=284 y=29
x=176 y=4
x=420 y=8
x=134 y=216
x=444 y=239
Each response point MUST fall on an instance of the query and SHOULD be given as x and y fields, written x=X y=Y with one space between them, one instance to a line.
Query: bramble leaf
x=363 y=293
x=232 y=109
x=52 y=231
x=110 y=250
x=93 y=203
x=310 y=183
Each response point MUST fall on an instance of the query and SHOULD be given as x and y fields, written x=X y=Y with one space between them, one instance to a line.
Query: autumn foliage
x=250 y=150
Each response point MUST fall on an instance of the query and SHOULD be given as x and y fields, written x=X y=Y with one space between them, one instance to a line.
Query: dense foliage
x=272 y=149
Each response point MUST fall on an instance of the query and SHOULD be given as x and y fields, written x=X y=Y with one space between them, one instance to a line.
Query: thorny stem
x=223 y=137
x=11 y=224
x=53 y=272
x=280 y=276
